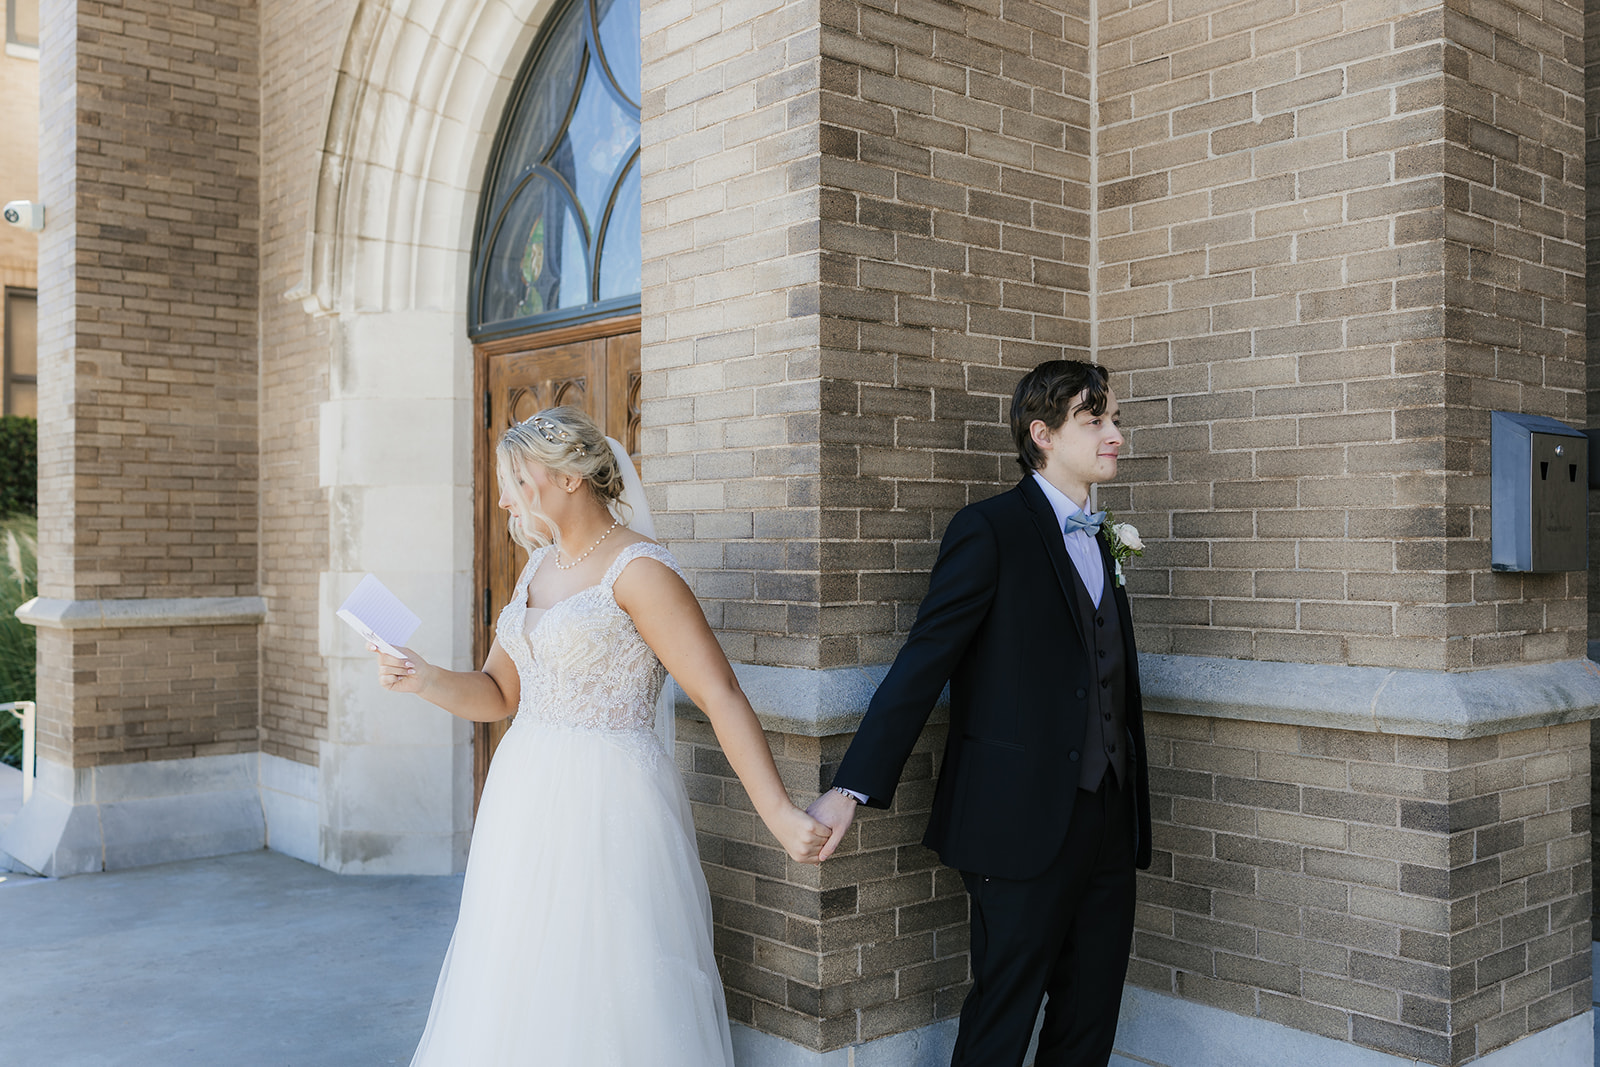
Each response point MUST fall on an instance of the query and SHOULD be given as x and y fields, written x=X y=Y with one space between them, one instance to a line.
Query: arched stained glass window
x=557 y=238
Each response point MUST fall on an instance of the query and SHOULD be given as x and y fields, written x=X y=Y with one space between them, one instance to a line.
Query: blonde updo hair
x=563 y=440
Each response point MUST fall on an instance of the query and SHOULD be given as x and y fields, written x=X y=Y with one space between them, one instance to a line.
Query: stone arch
x=414 y=106
x=416 y=100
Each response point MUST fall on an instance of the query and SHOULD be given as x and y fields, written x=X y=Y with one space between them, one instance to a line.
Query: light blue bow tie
x=1089 y=524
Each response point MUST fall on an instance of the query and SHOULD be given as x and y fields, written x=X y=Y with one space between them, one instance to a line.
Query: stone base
x=289 y=804
x=1164 y=1031
x=926 y=1046
x=136 y=814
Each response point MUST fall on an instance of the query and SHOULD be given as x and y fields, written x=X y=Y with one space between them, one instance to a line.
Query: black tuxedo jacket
x=1001 y=623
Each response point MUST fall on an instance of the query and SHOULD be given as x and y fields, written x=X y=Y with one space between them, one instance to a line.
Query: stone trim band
x=55 y=614
x=820 y=703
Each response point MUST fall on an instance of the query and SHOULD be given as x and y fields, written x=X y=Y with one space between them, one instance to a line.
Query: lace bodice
x=583 y=664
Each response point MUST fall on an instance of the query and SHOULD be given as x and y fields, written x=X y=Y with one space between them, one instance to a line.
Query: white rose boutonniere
x=1125 y=543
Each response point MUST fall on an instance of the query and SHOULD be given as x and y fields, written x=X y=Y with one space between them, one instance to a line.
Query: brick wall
x=872 y=943
x=729 y=344
x=955 y=250
x=53 y=692
x=1429 y=898
x=165 y=420
x=1591 y=94
x=1514 y=292
x=822 y=396
x=148 y=336
x=162 y=693
x=1329 y=248
x=294 y=375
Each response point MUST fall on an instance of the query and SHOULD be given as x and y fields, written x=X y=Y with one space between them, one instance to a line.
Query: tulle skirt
x=584 y=938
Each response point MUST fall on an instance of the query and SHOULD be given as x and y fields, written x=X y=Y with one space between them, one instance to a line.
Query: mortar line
x=1094 y=181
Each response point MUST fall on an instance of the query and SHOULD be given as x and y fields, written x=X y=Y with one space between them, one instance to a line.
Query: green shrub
x=19 y=465
x=19 y=570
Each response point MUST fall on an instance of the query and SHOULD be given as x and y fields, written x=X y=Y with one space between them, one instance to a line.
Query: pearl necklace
x=568 y=566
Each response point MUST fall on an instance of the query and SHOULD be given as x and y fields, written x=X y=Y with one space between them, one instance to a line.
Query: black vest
x=1105 y=741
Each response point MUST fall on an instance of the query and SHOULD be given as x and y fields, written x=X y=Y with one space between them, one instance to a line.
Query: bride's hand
x=406 y=675
x=800 y=835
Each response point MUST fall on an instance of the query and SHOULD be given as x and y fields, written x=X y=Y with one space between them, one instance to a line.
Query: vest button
x=1073 y=756
x=1107 y=716
x=1102 y=653
x=1100 y=621
x=1105 y=685
x=1082 y=693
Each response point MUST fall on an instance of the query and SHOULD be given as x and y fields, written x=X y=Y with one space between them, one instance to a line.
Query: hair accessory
x=556 y=435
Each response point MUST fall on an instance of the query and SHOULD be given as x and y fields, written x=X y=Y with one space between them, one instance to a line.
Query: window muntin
x=558 y=234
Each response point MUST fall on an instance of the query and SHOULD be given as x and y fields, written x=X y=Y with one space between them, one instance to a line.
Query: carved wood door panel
x=594 y=367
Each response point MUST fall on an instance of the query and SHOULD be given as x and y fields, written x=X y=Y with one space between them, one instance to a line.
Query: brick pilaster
x=148 y=362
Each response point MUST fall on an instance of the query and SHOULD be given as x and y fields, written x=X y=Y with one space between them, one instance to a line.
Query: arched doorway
x=554 y=296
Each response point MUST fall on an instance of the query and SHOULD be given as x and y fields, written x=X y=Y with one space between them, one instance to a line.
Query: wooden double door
x=594 y=367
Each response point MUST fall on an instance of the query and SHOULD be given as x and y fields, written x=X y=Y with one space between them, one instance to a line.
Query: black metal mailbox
x=1539 y=494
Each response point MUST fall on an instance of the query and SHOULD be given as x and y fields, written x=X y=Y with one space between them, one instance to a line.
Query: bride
x=584 y=937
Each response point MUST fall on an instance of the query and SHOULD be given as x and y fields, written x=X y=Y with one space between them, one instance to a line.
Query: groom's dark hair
x=1046 y=393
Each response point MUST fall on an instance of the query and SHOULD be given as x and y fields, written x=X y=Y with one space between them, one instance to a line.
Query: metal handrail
x=26 y=710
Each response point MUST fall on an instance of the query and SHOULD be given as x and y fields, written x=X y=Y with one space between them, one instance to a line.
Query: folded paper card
x=377 y=615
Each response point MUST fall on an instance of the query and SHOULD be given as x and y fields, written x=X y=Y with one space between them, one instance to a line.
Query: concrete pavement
x=250 y=960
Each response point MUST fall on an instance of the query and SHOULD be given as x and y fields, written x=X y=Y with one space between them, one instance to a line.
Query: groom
x=1043 y=797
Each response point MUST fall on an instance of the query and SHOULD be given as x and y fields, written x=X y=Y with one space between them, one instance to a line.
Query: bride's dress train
x=584 y=938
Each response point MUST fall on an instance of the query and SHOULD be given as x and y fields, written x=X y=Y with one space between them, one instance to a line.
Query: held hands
x=800 y=835
x=408 y=675
x=836 y=811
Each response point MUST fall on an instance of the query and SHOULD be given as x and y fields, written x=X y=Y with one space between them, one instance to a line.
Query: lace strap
x=648 y=549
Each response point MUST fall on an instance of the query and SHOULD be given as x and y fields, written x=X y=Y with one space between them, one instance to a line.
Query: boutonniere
x=1124 y=541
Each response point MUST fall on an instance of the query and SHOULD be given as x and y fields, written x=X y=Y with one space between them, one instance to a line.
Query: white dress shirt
x=1080 y=546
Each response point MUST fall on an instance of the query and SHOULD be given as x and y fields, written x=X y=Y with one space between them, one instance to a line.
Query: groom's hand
x=835 y=811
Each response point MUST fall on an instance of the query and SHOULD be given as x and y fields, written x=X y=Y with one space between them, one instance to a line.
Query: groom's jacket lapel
x=1044 y=519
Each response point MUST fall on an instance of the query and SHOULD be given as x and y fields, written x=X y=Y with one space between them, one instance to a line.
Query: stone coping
x=820 y=703
x=1374 y=699
x=55 y=614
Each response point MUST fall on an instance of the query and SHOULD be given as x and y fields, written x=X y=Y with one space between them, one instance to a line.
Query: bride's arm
x=670 y=620
x=488 y=695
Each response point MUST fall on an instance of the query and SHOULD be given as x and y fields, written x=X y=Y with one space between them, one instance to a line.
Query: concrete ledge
x=135 y=814
x=810 y=703
x=1374 y=699
x=1164 y=1031
x=819 y=703
x=121 y=614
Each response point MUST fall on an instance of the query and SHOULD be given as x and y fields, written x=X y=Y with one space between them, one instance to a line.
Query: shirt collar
x=1061 y=503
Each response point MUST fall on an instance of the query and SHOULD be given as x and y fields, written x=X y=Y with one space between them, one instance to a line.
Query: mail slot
x=1539 y=494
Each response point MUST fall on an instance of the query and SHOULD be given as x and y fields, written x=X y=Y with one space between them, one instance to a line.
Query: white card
x=377 y=615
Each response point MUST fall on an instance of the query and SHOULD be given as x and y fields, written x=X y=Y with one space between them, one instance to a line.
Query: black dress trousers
x=1067 y=932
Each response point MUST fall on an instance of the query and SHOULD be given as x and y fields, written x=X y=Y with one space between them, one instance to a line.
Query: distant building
x=303 y=262
x=19 y=180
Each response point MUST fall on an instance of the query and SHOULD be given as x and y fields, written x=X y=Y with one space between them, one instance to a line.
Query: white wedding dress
x=584 y=938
